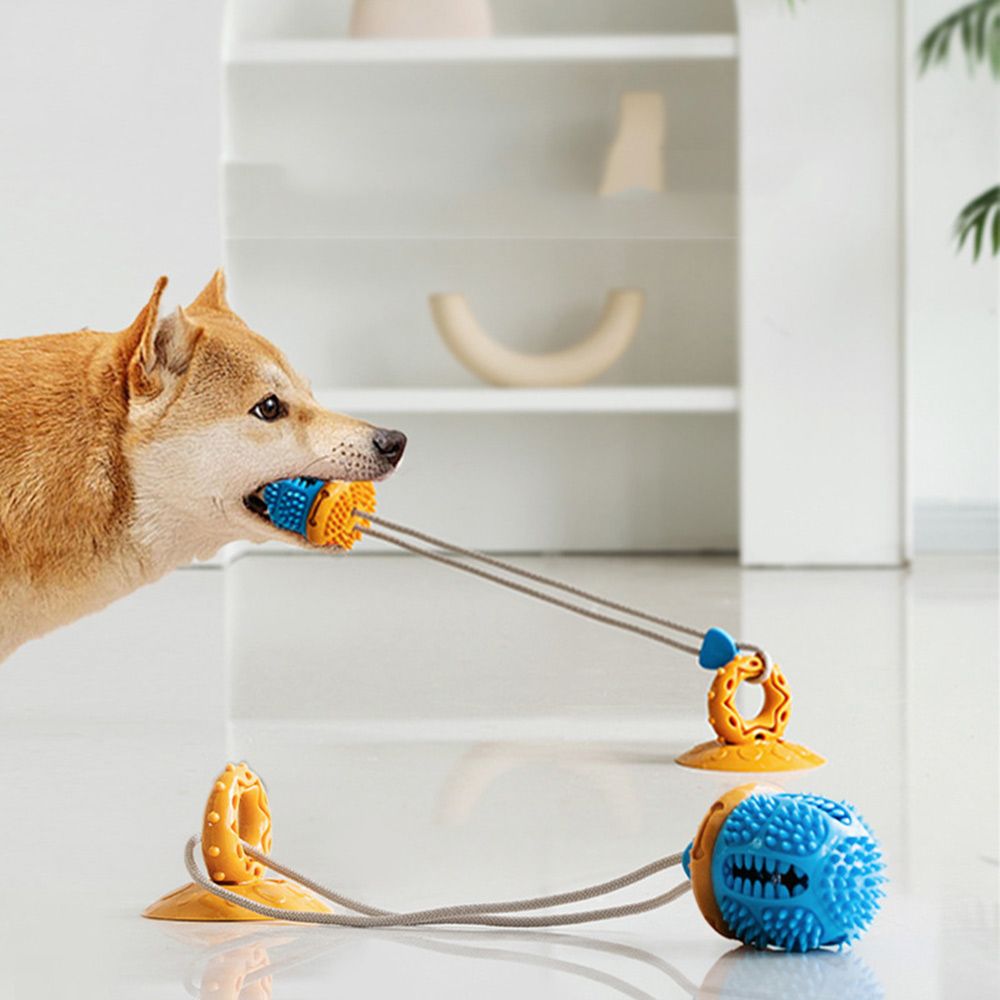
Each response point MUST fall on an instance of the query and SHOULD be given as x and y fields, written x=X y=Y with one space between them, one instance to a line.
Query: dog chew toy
x=748 y=744
x=236 y=816
x=326 y=514
x=771 y=869
x=788 y=871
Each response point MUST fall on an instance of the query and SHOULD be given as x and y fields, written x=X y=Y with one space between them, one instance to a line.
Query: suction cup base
x=759 y=755
x=192 y=902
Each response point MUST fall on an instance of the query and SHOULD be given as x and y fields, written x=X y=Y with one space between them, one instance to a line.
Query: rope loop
x=493 y=914
x=765 y=670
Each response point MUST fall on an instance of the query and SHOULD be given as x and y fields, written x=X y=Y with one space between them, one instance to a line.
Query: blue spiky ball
x=795 y=872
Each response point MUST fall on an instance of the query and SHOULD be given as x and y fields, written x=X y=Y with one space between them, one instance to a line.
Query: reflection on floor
x=428 y=739
x=246 y=963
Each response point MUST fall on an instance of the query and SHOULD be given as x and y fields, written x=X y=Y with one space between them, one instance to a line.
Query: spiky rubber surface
x=332 y=520
x=796 y=872
x=289 y=502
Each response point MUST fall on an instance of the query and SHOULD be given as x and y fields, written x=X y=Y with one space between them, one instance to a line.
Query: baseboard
x=940 y=526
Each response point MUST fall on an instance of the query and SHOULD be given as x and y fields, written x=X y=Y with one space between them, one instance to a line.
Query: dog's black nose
x=389 y=444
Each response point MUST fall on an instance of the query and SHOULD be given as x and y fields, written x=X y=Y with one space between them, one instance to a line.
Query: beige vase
x=421 y=19
x=635 y=159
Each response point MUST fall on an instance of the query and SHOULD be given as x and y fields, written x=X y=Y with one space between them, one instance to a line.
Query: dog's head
x=215 y=412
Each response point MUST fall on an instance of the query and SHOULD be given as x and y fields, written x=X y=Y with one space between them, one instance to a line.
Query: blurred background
x=791 y=430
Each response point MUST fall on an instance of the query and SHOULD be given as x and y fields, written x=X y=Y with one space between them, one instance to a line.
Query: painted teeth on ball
x=763 y=877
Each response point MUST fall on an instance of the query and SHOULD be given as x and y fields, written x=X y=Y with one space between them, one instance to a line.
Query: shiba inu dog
x=124 y=455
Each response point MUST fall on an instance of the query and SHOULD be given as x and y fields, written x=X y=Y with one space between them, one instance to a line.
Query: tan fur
x=124 y=455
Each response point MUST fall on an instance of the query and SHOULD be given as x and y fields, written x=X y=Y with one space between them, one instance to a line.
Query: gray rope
x=532 y=592
x=468 y=909
x=547 y=581
x=482 y=914
x=536 y=577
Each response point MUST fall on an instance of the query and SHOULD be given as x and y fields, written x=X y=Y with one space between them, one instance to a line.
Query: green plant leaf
x=977 y=26
x=980 y=34
x=979 y=216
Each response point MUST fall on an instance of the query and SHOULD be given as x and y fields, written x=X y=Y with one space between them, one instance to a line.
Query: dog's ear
x=213 y=295
x=175 y=340
x=139 y=334
x=163 y=348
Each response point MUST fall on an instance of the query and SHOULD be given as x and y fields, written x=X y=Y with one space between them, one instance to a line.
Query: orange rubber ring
x=236 y=810
x=769 y=723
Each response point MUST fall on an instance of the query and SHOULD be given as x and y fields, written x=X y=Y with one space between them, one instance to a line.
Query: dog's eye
x=269 y=408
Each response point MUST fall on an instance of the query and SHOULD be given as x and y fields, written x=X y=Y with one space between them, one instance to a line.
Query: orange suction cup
x=755 y=744
x=236 y=811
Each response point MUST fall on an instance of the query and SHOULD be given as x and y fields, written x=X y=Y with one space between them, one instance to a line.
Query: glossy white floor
x=427 y=738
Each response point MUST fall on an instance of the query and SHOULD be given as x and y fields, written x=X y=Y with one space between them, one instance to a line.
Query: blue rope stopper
x=787 y=871
x=718 y=648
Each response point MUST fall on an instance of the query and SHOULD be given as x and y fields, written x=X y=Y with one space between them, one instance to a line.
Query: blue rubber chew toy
x=787 y=871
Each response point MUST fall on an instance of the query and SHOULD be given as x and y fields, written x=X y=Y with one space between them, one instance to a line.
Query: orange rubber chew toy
x=323 y=513
x=332 y=520
x=236 y=810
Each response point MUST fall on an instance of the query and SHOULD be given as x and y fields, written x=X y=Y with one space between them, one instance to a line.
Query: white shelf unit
x=361 y=176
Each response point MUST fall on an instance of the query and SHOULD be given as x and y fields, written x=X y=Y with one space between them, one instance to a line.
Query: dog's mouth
x=256 y=504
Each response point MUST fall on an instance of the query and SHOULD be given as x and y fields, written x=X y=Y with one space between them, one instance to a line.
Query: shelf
x=586 y=399
x=582 y=48
x=269 y=201
x=363 y=175
x=355 y=312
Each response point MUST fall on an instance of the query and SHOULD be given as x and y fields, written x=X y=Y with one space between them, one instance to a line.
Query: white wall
x=109 y=139
x=953 y=328
x=821 y=324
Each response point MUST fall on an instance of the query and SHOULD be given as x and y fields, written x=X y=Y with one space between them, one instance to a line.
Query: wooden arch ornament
x=583 y=362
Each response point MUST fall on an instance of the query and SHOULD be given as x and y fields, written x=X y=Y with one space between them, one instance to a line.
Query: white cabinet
x=362 y=176
x=820 y=275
